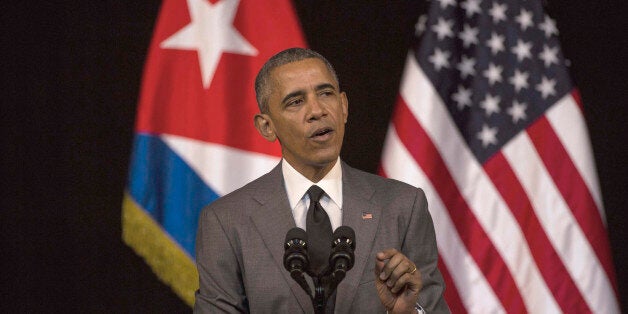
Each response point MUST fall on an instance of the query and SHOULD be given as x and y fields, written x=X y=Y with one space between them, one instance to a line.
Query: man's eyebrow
x=302 y=92
x=293 y=94
x=325 y=86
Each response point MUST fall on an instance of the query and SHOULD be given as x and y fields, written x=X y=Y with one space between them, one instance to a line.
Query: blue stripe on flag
x=168 y=189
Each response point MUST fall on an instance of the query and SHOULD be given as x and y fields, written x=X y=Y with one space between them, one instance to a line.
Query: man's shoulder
x=378 y=182
x=243 y=197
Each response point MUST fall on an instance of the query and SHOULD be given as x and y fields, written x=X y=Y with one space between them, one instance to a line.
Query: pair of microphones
x=341 y=260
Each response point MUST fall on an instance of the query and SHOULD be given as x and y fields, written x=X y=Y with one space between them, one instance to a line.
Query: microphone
x=342 y=257
x=295 y=258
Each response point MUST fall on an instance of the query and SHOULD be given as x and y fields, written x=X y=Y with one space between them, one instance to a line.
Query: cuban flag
x=194 y=136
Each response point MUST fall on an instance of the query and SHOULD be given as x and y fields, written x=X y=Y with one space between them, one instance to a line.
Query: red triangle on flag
x=200 y=72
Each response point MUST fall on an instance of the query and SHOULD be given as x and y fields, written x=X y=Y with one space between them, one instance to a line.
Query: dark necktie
x=319 y=233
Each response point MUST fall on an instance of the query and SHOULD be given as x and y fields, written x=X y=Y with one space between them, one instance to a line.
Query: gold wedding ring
x=412 y=272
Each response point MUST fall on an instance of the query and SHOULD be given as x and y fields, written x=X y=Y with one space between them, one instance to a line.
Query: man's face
x=307 y=113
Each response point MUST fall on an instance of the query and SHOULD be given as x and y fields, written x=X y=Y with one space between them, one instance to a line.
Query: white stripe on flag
x=559 y=223
x=474 y=290
x=476 y=187
x=570 y=126
x=224 y=169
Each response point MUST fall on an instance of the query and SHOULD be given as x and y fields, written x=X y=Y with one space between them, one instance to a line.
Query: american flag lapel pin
x=367 y=216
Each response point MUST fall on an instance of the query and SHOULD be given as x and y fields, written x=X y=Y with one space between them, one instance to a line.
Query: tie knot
x=315 y=193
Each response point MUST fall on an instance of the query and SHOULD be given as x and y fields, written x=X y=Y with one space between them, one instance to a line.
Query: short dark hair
x=262 y=81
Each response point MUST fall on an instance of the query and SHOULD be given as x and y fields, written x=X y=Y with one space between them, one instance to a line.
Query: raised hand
x=398 y=281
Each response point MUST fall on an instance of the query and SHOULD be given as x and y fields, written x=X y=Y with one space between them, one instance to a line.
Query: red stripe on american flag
x=451 y=293
x=575 y=94
x=479 y=245
x=545 y=256
x=574 y=191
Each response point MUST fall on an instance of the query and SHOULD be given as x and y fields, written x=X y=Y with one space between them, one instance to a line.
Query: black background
x=70 y=79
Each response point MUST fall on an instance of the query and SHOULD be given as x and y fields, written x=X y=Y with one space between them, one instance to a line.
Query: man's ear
x=264 y=126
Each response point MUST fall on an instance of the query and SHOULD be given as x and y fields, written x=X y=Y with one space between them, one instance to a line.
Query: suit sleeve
x=420 y=246
x=220 y=278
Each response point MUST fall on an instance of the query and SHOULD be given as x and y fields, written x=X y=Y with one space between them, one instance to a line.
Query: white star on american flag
x=517 y=111
x=420 y=26
x=524 y=19
x=493 y=73
x=498 y=12
x=466 y=67
x=546 y=87
x=548 y=26
x=469 y=36
x=471 y=7
x=462 y=97
x=519 y=80
x=445 y=3
x=488 y=135
x=443 y=28
x=549 y=55
x=490 y=104
x=496 y=43
x=440 y=59
x=522 y=50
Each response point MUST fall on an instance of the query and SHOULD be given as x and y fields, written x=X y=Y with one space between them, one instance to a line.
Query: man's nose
x=317 y=109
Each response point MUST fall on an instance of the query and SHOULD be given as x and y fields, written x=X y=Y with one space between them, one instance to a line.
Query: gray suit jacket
x=239 y=248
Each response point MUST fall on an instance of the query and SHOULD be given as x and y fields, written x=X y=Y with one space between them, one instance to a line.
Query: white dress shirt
x=297 y=185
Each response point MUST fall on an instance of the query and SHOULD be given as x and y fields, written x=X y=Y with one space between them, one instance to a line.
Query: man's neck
x=315 y=173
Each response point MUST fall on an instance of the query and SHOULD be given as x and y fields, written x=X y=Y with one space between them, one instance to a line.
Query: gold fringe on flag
x=166 y=258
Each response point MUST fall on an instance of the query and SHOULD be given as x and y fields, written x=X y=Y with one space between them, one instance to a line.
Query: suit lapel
x=363 y=216
x=272 y=220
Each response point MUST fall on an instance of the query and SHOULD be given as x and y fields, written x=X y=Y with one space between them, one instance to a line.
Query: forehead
x=304 y=74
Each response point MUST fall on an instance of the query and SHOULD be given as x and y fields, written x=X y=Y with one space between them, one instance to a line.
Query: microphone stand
x=319 y=300
x=325 y=285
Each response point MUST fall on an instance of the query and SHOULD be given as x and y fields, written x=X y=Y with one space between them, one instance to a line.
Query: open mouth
x=321 y=132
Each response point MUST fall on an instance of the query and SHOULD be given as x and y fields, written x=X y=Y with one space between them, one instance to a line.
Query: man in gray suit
x=240 y=240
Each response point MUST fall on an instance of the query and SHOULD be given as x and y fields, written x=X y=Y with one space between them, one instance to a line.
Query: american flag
x=488 y=123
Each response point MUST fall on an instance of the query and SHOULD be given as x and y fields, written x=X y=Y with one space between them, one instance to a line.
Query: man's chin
x=324 y=160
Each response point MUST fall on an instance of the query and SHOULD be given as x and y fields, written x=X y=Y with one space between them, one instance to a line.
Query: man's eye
x=326 y=93
x=294 y=102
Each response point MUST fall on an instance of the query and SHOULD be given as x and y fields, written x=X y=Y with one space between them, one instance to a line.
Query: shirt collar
x=297 y=185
